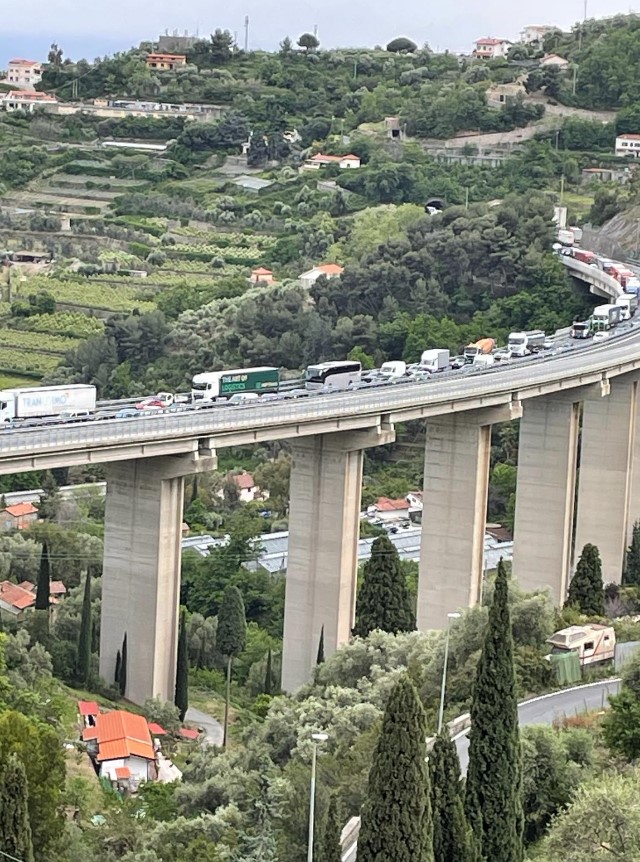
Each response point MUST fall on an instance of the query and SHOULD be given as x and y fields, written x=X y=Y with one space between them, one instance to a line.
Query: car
x=297 y=393
x=548 y=343
x=270 y=396
x=128 y=413
x=502 y=355
x=600 y=336
x=242 y=398
x=458 y=362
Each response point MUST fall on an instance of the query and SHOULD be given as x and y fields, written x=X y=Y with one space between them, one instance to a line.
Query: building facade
x=24 y=73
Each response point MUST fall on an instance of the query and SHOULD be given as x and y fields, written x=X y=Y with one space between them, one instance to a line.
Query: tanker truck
x=478 y=348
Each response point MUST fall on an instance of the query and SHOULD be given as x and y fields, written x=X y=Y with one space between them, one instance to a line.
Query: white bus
x=337 y=374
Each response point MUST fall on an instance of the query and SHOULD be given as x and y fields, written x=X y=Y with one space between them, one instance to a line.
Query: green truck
x=221 y=384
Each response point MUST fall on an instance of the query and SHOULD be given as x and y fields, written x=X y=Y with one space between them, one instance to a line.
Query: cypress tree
x=231 y=637
x=586 y=590
x=396 y=816
x=453 y=840
x=320 y=656
x=493 y=797
x=268 y=674
x=330 y=848
x=122 y=680
x=44 y=580
x=384 y=602
x=15 y=828
x=84 y=640
x=182 y=669
x=116 y=675
x=631 y=573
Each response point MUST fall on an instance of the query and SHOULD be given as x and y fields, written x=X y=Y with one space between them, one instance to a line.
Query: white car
x=600 y=336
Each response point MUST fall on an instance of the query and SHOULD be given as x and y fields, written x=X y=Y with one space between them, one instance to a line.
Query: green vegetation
x=453 y=840
x=586 y=590
x=384 y=601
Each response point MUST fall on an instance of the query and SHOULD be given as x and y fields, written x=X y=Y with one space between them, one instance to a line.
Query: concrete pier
x=543 y=528
x=141 y=574
x=324 y=524
x=456 y=480
x=606 y=472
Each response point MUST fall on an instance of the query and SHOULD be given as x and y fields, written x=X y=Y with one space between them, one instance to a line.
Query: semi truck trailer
x=40 y=402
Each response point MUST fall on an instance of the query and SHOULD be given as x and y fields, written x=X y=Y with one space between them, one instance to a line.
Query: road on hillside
x=213 y=732
x=550 y=707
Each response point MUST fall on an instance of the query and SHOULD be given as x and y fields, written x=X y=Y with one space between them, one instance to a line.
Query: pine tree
x=122 y=681
x=631 y=573
x=182 y=669
x=320 y=656
x=84 y=640
x=44 y=580
x=268 y=674
x=586 y=590
x=116 y=675
x=15 y=828
x=396 y=816
x=493 y=797
x=231 y=637
x=384 y=602
x=329 y=847
x=453 y=840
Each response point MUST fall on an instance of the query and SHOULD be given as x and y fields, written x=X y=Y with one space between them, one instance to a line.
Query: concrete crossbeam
x=324 y=526
x=456 y=478
x=605 y=476
x=141 y=573
x=543 y=527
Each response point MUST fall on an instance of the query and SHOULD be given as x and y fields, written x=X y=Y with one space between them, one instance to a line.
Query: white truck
x=483 y=360
x=605 y=316
x=434 y=360
x=392 y=370
x=628 y=302
x=75 y=401
x=566 y=236
x=523 y=343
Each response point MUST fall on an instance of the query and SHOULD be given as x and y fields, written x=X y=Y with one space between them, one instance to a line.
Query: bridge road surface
x=539 y=710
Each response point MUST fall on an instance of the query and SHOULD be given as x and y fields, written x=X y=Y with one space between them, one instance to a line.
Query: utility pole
x=315 y=30
x=246 y=33
x=466 y=197
x=575 y=76
x=561 y=189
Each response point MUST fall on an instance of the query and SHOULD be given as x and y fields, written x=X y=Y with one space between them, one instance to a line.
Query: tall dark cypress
x=231 y=637
x=631 y=573
x=493 y=797
x=182 y=669
x=329 y=846
x=44 y=580
x=15 y=828
x=396 y=816
x=116 y=675
x=122 y=681
x=320 y=656
x=453 y=840
x=586 y=590
x=268 y=674
x=84 y=640
x=384 y=602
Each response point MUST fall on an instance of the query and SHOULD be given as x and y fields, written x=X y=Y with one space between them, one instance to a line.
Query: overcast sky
x=94 y=27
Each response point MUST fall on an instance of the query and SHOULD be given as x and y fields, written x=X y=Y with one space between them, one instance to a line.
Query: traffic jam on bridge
x=24 y=408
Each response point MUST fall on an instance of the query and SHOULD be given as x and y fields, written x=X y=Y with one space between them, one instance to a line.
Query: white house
x=534 y=34
x=248 y=491
x=320 y=160
x=329 y=270
x=628 y=145
x=490 y=48
x=24 y=73
x=121 y=745
x=26 y=100
x=554 y=60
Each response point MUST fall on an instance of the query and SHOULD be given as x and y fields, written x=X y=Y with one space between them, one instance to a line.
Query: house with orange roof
x=18 y=516
x=26 y=100
x=329 y=270
x=490 y=48
x=24 y=73
x=165 y=62
x=88 y=710
x=247 y=489
x=320 y=160
x=121 y=747
x=261 y=275
x=17 y=599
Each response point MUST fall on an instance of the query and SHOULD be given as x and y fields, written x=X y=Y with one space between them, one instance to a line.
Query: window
x=588 y=647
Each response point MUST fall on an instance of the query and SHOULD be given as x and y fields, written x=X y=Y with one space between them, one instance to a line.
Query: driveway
x=213 y=732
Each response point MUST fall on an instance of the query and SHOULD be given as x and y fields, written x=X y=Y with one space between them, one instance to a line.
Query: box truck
x=40 y=402
x=222 y=384
x=523 y=343
x=605 y=316
x=434 y=360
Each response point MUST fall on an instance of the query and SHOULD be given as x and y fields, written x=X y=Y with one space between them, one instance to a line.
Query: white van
x=243 y=398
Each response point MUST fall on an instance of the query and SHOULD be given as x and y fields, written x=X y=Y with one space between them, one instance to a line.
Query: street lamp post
x=454 y=616
x=316 y=737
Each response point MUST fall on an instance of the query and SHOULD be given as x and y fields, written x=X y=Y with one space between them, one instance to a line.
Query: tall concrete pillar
x=322 y=566
x=456 y=480
x=545 y=494
x=605 y=476
x=141 y=573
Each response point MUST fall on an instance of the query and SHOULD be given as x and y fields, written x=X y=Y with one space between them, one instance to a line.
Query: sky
x=97 y=27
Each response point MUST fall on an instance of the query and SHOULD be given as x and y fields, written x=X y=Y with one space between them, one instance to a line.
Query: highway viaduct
x=594 y=389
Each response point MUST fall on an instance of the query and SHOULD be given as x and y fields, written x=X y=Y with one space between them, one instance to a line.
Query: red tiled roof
x=88 y=707
x=630 y=137
x=29 y=96
x=122 y=773
x=18 y=61
x=27 y=585
x=166 y=56
x=57 y=588
x=16 y=596
x=122 y=734
x=89 y=733
x=351 y=157
x=18 y=510
x=188 y=733
x=261 y=271
x=490 y=41
x=385 y=504
x=243 y=481
x=320 y=157
x=331 y=268
x=156 y=729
